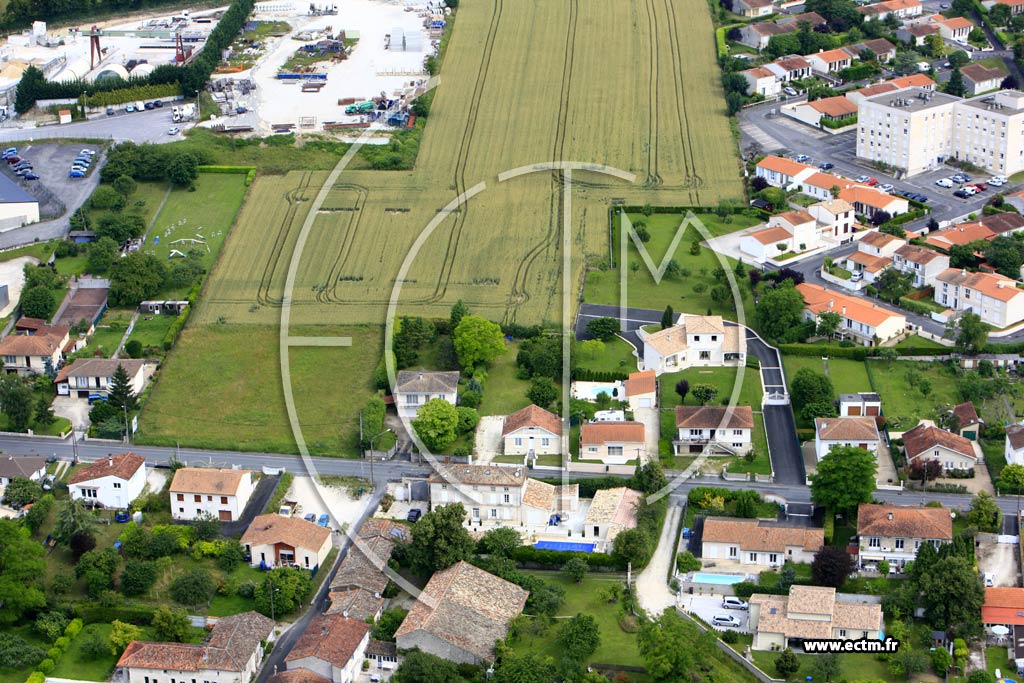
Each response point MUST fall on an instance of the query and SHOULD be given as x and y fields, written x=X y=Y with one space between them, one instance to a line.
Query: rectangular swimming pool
x=717 y=579
x=565 y=546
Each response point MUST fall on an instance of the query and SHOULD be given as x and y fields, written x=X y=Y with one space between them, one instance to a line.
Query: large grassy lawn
x=9 y=675
x=151 y=329
x=903 y=402
x=108 y=334
x=724 y=379
x=917 y=342
x=504 y=393
x=603 y=287
x=848 y=376
x=615 y=356
x=851 y=666
x=221 y=388
x=204 y=215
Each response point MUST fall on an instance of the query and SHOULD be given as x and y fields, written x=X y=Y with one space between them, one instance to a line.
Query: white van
x=990 y=579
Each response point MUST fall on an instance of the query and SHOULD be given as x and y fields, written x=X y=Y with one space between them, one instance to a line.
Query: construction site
x=336 y=67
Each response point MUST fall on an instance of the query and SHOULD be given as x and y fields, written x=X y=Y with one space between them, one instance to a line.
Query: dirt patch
x=999 y=559
x=488 y=438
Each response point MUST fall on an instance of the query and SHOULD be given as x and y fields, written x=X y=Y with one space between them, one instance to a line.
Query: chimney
x=1001 y=284
x=110 y=461
x=421 y=375
x=831 y=304
x=844 y=311
x=890 y=516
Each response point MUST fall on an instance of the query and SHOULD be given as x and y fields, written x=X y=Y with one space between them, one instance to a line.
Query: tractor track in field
x=294 y=198
x=520 y=293
x=462 y=160
x=328 y=294
x=653 y=178
x=693 y=180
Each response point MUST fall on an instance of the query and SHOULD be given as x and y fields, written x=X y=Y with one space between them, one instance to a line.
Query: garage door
x=853 y=411
x=872 y=410
x=225 y=515
x=645 y=403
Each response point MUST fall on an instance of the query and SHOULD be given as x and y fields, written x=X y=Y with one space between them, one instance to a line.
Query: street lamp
x=273 y=590
x=373 y=484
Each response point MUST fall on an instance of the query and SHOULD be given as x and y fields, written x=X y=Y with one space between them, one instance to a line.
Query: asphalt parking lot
x=51 y=162
x=708 y=607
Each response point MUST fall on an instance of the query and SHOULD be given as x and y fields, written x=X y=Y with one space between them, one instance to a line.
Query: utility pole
x=373 y=483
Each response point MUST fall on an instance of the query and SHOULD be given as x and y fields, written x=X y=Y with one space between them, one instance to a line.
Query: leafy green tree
x=604 y=329
x=73 y=518
x=468 y=419
x=831 y=567
x=828 y=323
x=779 y=313
x=121 y=397
x=22 y=491
x=1005 y=254
x=1012 y=478
x=18 y=653
x=459 y=311
x=668 y=318
x=385 y=626
x=38 y=513
x=818 y=409
x=959 y=58
x=981 y=676
x=205 y=527
x=194 y=588
x=136 y=277
x=51 y=625
x=124 y=185
x=845 y=479
x=137 y=577
x=477 y=341
x=439 y=539
x=893 y=284
x=673 y=648
x=121 y=634
x=44 y=413
x=634 y=546
x=421 y=667
x=501 y=541
x=172 y=625
x=952 y=596
x=985 y=513
x=437 y=424
x=133 y=348
x=183 y=169
x=232 y=556
x=970 y=333
x=787 y=663
x=579 y=637
x=905 y=63
x=22 y=566
x=527 y=668
x=575 y=569
x=704 y=393
x=826 y=667
x=682 y=388
x=288 y=586
x=809 y=387
x=16 y=400
x=38 y=302
x=542 y=392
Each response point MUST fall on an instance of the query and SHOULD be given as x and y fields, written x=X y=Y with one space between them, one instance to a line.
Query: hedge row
x=95 y=613
x=854 y=352
x=175 y=329
x=212 y=168
x=585 y=375
x=591 y=485
x=914 y=306
x=554 y=559
x=56 y=651
x=132 y=94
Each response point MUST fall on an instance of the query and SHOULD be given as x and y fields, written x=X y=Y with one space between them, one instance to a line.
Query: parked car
x=10 y=151
x=414 y=515
x=790 y=91
x=158 y=104
x=88 y=152
x=944 y=182
x=827 y=166
x=324 y=520
x=110 y=111
x=961 y=178
x=310 y=517
x=923 y=198
x=148 y=106
x=857 y=276
x=96 y=397
x=30 y=176
x=130 y=108
x=726 y=620
x=962 y=194
x=13 y=159
x=732 y=602
x=887 y=187
x=173 y=131
x=980 y=187
x=990 y=579
x=75 y=173
x=23 y=172
x=862 y=178
x=25 y=163
x=871 y=182
x=997 y=181
x=801 y=158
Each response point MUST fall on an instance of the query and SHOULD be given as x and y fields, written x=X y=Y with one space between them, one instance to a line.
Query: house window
x=223 y=500
x=209 y=499
x=476 y=513
x=307 y=561
x=615 y=450
x=88 y=493
x=899 y=544
x=117 y=484
x=917 y=544
x=705 y=355
x=545 y=442
x=737 y=432
x=591 y=449
x=198 y=499
x=518 y=441
x=714 y=337
x=696 y=432
x=494 y=513
x=733 y=551
x=737 y=445
x=752 y=557
x=773 y=558
x=842 y=633
x=874 y=542
x=508 y=499
x=696 y=337
x=181 y=496
x=181 y=510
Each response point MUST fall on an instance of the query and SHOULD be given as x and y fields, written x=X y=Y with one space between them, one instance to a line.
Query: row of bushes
x=914 y=306
x=175 y=329
x=131 y=94
x=56 y=651
x=249 y=171
x=865 y=352
x=836 y=124
x=95 y=613
x=585 y=375
x=554 y=559
x=282 y=488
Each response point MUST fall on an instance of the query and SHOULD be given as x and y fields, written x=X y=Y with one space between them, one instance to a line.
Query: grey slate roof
x=421 y=381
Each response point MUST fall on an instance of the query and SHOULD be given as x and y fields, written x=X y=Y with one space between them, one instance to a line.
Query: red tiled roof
x=905 y=522
x=532 y=416
x=593 y=433
x=122 y=466
x=923 y=438
x=1003 y=606
x=641 y=383
x=332 y=638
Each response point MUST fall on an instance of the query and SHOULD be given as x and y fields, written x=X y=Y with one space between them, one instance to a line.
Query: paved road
x=146 y=126
x=787 y=461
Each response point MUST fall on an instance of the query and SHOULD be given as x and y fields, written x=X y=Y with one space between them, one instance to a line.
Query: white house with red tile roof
x=332 y=646
x=36 y=352
x=762 y=81
x=532 y=431
x=1014 y=451
x=924 y=264
x=820 y=185
x=863 y=322
x=856 y=432
x=829 y=61
x=718 y=428
x=1016 y=6
x=980 y=79
x=867 y=200
x=994 y=297
x=753 y=8
x=611 y=512
x=790 y=68
x=894 y=533
x=694 y=341
x=870 y=266
x=221 y=493
x=877 y=243
x=835 y=218
x=613 y=443
x=112 y=482
x=952 y=451
x=642 y=389
x=274 y=540
x=954 y=28
x=902 y=9
x=782 y=172
x=813 y=113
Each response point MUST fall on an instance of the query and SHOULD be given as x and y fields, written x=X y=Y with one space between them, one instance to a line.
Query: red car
x=13 y=159
x=981 y=187
x=872 y=182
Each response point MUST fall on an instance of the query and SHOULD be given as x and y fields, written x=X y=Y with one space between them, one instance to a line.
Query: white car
x=944 y=182
x=174 y=131
x=732 y=602
x=998 y=180
x=863 y=178
x=790 y=91
x=725 y=620
x=887 y=187
x=88 y=152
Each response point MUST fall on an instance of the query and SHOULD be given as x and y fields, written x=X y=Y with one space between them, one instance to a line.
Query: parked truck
x=185 y=112
x=360 y=108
